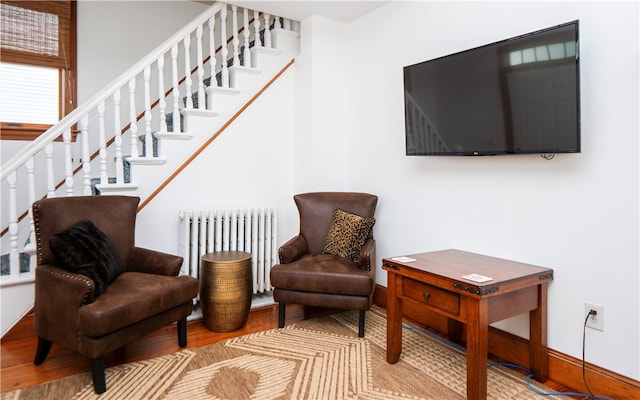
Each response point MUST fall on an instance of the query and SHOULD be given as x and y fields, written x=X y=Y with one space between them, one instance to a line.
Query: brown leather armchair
x=307 y=275
x=70 y=310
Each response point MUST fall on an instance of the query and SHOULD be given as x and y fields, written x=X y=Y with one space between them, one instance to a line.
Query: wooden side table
x=225 y=290
x=436 y=281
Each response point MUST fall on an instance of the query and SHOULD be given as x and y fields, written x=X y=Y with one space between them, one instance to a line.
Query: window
x=37 y=71
x=547 y=52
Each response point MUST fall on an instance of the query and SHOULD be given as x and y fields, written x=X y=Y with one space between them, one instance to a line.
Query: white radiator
x=252 y=230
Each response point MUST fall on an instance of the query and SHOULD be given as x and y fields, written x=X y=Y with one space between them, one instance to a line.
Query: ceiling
x=342 y=11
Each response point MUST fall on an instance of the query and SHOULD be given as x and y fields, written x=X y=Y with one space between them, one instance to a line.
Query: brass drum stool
x=225 y=289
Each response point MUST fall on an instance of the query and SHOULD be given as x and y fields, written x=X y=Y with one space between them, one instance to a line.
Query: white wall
x=577 y=214
x=114 y=35
x=322 y=124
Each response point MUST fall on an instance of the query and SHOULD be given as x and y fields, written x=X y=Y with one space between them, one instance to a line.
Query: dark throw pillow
x=347 y=234
x=84 y=249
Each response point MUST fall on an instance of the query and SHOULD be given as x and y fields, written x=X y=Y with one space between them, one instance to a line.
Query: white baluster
x=276 y=22
x=161 y=95
x=176 y=89
x=287 y=24
x=224 y=51
x=104 y=178
x=256 y=29
x=187 y=71
x=133 y=118
x=31 y=182
x=86 y=162
x=236 y=40
x=68 y=161
x=212 y=55
x=48 y=154
x=148 y=139
x=267 y=32
x=201 y=97
x=117 y=137
x=246 y=54
x=14 y=256
x=212 y=61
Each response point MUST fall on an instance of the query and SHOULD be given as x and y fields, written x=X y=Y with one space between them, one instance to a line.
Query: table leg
x=538 y=354
x=477 y=348
x=394 y=319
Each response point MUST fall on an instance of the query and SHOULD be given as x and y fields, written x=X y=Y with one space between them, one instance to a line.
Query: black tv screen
x=516 y=96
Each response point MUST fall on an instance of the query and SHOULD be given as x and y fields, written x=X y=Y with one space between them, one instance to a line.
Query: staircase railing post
x=224 y=51
x=256 y=29
x=68 y=162
x=117 y=138
x=267 y=30
x=48 y=154
x=148 y=138
x=31 y=182
x=176 y=89
x=104 y=178
x=246 y=33
x=201 y=96
x=14 y=257
x=235 y=38
x=132 y=115
x=187 y=71
x=86 y=160
x=213 y=80
x=161 y=96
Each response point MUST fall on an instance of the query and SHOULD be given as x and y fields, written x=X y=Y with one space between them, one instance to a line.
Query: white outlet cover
x=594 y=321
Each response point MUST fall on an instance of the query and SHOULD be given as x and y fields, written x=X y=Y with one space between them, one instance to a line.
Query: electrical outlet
x=594 y=321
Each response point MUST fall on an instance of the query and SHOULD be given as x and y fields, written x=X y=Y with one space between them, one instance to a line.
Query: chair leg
x=281 y=314
x=42 y=351
x=97 y=373
x=361 y=323
x=182 y=332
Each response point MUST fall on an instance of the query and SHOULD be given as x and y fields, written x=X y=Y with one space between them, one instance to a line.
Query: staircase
x=143 y=129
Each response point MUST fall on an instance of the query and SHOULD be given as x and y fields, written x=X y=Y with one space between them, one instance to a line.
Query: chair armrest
x=59 y=294
x=292 y=250
x=367 y=260
x=153 y=262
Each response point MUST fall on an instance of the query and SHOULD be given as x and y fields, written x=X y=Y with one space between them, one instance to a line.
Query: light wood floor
x=18 y=346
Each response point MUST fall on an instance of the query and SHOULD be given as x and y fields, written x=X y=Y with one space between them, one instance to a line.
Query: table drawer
x=431 y=296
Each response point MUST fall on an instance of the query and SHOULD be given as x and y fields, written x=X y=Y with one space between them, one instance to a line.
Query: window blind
x=36 y=32
x=26 y=88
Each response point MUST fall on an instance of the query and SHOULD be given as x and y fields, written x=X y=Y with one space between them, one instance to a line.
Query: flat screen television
x=515 y=96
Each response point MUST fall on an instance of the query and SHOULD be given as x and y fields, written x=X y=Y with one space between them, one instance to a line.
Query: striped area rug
x=315 y=359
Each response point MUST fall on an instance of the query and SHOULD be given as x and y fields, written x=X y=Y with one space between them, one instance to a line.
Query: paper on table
x=403 y=259
x=477 y=278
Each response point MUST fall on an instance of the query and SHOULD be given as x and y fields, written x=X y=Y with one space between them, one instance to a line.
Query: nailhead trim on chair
x=36 y=224
x=86 y=293
x=84 y=300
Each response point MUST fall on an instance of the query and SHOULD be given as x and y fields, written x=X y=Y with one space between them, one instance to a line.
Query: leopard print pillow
x=347 y=234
